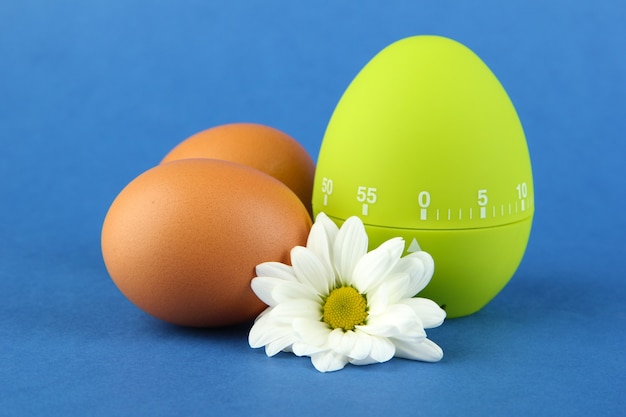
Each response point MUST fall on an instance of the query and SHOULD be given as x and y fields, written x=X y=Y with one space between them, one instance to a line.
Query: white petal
x=342 y=341
x=288 y=311
x=368 y=360
x=258 y=335
x=378 y=299
x=303 y=349
x=373 y=267
x=279 y=344
x=294 y=291
x=426 y=350
x=263 y=287
x=414 y=267
x=350 y=246
x=328 y=361
x=421 y=276
x=362 y=346
x=397 y=283
x=276 y=270
x=263 y=313
x=329 y=226
x=265 y=331
x=429 y=262
x=322 y=237
x=397 y=320
x=312 y=270
x=427 y=310
x=381 y=351
x=311 y=332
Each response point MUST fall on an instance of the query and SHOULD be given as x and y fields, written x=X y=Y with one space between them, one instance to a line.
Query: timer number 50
x=327 y=186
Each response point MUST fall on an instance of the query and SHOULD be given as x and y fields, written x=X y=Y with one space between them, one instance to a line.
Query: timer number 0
x=423 y=199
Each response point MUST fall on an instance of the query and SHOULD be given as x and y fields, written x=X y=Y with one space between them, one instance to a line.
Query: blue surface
x=92 y=93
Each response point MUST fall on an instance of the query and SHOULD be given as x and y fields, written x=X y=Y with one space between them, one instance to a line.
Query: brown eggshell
x=258 y=146
x=182 y=240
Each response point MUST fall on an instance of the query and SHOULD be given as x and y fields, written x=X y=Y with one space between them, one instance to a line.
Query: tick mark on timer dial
x=485 y=209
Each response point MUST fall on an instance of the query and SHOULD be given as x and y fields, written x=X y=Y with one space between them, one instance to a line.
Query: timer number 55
x=366 y=194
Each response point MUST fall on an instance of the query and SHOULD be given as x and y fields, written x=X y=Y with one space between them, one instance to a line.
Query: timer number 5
x=366 y=194
x=482 y=198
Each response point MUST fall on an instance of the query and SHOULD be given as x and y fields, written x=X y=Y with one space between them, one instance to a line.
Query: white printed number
x=482 y=198
x=423 y=199
x=522 y=193
x=366 y=195
x=327 y=186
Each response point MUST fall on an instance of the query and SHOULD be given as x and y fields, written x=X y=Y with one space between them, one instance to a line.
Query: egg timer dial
x=425 y=144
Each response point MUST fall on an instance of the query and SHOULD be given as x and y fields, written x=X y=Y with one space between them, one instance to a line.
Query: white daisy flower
x=340 y=304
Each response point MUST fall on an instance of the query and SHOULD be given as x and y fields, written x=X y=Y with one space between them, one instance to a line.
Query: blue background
x=94 y=92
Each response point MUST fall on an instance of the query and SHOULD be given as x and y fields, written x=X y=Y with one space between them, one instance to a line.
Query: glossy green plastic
x=426 y=144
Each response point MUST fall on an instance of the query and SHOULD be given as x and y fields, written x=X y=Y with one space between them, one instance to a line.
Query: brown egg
x=258 y=146
x=181 y=241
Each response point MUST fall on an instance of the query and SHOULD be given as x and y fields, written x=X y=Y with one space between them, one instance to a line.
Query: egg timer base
x=469 y=264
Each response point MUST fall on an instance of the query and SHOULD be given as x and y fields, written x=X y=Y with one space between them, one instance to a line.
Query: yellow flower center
x=345 y=308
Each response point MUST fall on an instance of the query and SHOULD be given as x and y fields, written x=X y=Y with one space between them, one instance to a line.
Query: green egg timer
x=425 y=144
